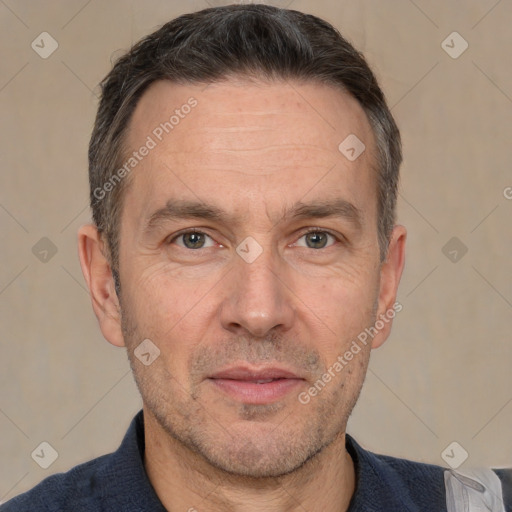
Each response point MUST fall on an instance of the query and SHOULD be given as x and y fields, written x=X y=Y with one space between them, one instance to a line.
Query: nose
x=258 y=299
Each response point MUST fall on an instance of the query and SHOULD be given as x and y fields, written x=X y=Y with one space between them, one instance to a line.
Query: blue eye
x=193 y=240
x=316 y=240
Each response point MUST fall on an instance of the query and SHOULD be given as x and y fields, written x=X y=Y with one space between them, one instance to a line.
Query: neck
x=185 y=481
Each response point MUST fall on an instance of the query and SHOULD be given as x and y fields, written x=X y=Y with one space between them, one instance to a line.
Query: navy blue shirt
x=118 y=483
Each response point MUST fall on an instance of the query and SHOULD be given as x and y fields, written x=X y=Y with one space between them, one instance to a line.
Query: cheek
x=173 y=313
x=158 y=294
x=345 y=301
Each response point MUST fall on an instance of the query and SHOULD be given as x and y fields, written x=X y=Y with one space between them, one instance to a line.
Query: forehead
x=240 y=107
x=250 y=139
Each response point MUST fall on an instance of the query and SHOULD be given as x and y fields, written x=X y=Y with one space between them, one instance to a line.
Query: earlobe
x=98 y=276
x=390 y=274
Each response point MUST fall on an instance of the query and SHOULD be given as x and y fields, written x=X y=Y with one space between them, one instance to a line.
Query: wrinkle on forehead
x=252 y=109
x=251 y=146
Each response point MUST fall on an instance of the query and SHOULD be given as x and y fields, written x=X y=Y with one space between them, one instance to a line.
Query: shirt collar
x=383 y=482
x=133 y=490
x=378 y=487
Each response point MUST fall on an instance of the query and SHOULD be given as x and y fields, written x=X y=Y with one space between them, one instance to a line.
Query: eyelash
x=186 y=232
x=320 y=230
x=337 y=238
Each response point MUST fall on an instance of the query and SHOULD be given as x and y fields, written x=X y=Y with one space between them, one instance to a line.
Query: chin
x=252 y=462
x=257 y=450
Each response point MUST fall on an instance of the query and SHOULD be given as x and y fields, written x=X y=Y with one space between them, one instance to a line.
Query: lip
x=243 y=383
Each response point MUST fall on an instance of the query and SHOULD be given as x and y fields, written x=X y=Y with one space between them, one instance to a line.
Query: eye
x=316 y=239
x=193 y=240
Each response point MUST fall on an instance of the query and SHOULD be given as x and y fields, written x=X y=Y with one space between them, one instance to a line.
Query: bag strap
x=473 y=490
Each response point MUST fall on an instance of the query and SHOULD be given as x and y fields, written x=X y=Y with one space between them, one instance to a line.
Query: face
x=249 y=257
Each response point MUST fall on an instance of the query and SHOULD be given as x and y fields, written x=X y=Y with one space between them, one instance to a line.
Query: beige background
x=444 y=375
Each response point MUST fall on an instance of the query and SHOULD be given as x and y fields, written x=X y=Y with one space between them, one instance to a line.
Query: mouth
x=253 y=385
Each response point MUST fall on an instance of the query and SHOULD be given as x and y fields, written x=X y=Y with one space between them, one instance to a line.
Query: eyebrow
x=328 y=208
x=183 y=209
x=177 y=209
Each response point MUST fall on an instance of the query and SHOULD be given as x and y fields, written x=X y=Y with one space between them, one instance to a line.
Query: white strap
x=473 y=490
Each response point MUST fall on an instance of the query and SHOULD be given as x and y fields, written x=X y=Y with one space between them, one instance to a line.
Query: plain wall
x=444 y=374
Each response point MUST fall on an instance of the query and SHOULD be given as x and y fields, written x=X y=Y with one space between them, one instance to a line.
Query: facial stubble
x=254 y=441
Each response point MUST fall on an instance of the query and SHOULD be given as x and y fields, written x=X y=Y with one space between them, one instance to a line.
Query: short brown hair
x=236 y=40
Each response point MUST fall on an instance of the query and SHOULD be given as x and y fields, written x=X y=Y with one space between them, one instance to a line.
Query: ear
x=98 y=276
x=390 y=274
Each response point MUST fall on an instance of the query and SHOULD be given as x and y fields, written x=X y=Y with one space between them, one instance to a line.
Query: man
x=243 y=173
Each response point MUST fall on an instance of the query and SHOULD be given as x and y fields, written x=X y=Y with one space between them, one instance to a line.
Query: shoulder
x=390 y=483
x=74 y=490
x=420 y=483
x=114 y=482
